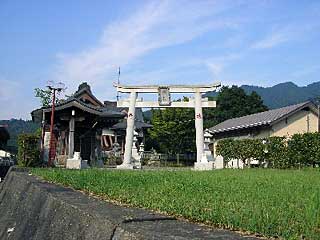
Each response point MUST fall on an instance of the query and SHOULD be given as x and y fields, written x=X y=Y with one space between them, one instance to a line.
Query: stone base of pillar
x=203 y=166
x=137 y=164
x=125 y=166
x=76 y=164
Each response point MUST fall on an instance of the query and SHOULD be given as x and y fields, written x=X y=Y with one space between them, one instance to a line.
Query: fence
x=167 y=160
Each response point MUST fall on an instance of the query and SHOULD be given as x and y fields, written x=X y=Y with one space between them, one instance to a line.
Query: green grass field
x=283 y=203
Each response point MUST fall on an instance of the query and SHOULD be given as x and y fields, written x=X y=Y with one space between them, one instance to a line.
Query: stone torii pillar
x=127 y=161
x=198 y=125
x=164 y=101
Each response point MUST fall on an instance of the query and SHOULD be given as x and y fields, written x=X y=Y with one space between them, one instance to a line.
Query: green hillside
x=283 y=94
x=16 y=127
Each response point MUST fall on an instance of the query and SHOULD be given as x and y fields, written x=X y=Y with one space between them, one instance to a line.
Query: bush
x=112 y=160
x=226 y=149
x=28 y=150
x=277 y=153
x=302 y=150
x=243 y=149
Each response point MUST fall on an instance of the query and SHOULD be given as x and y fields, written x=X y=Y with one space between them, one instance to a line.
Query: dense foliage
x=173 y=130
x=225 y=148
x=302 y=150
x=305 y=149
x=233 y=102
x=283 y=203
x=277 y=154
x=28 y=150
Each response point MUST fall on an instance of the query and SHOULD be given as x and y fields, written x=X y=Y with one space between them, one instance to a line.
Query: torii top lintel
x=172 y=88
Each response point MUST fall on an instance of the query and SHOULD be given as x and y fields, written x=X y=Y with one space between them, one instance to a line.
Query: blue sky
x=155 y=42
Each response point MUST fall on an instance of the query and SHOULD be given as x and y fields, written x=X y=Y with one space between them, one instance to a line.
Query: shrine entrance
x=164 y=101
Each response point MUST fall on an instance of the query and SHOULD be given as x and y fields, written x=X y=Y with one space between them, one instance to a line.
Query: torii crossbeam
x=164 y=101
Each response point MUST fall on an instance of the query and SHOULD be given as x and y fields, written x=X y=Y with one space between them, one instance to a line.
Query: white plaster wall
x=301 y=122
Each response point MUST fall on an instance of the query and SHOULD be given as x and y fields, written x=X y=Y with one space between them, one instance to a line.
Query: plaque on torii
x=164 y=101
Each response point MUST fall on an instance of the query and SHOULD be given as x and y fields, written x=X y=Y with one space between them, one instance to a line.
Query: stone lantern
x=206 y=150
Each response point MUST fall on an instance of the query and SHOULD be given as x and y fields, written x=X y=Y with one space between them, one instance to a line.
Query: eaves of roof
x=74 y=102
x=243 y=126
x=277 y=116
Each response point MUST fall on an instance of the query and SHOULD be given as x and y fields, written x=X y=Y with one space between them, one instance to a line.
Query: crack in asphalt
x=143 y=219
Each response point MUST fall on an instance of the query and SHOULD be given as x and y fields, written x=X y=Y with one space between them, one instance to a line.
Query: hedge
x=301 y=150
x=28 y=150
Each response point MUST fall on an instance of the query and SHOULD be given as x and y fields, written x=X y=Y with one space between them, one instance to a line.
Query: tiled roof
x=137 y=124
x=72 y=101
x=258 y=119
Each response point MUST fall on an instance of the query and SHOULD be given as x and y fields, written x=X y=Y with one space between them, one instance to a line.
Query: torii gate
x=164 y=101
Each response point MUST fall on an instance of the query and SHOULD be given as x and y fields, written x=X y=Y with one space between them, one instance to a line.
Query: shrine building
x=85 y=125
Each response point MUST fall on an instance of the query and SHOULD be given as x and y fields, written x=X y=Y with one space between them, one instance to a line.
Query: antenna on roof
x=118 y=96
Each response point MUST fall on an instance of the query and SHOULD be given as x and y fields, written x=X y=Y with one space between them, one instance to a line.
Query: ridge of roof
x=85 y=88
x=257 y=119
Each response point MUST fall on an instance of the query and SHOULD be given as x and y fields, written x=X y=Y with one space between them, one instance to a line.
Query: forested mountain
x=283 y=94
x=16 y=127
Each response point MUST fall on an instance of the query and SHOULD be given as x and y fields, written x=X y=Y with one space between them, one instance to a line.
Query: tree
x=233 y=102
x=45 y=96
x=173 y=130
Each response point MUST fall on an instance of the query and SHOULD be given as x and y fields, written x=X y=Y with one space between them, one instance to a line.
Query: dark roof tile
x=257 y=119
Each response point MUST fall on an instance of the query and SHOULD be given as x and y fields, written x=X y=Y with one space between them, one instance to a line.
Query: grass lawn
x=284 y=203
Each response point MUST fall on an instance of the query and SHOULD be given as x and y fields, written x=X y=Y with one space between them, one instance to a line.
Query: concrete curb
x=33 y=209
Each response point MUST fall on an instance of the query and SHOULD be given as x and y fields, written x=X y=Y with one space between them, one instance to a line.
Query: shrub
x=28 y=150
x=249 y=149
x=243 y=149
x=226 y=149
x=277 y=154
x=304 y=149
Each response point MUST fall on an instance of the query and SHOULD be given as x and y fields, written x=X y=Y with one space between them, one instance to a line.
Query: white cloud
x=272 y=40
x=218 y=64
x=215 y=68
x=293 y=32
x=158 y=24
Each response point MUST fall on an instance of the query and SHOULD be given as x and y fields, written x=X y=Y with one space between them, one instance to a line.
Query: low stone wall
x=3 y=171
x=33 y=209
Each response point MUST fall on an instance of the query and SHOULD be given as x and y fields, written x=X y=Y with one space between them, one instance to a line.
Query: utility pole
x=118 y=96
x=316 y=101
x=54 y=88
x=318 y=104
